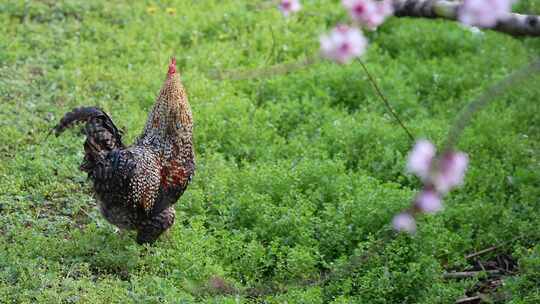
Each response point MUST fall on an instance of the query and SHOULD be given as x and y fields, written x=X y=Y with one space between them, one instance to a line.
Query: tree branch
x=513 y=24
x=385 y=101
x=465 y=116
x=278 y=69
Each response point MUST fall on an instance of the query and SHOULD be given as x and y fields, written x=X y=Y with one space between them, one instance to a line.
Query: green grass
x=298 y=175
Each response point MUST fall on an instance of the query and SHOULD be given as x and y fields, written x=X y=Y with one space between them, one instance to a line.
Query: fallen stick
x=468 y=299
x=475 y=254
x=492 y=248
x=468 y=274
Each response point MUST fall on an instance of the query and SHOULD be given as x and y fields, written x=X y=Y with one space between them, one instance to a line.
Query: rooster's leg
x=150 y=229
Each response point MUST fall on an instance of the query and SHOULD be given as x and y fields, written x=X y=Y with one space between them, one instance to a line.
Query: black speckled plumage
x=137 y=186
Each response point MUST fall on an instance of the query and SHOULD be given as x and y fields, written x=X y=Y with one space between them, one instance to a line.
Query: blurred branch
x=385 y=101
x=277 y=69
x=490 y=94
x=514 y=24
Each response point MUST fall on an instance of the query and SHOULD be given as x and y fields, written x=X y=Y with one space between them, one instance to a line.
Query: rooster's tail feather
x=102 y=136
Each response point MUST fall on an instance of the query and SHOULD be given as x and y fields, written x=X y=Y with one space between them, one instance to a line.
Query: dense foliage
x=298 y=175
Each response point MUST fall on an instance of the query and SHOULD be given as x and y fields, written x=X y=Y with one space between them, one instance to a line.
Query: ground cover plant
x=298 y=175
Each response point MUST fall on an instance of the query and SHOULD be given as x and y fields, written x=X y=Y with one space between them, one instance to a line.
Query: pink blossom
x=288 y=7
x=451 y=171
x=428 y=201
x=369 y=13
x=439 y=176
x=404 y=222
x=484 y=13
x=420 y=159
x=360 y=10
x=343 y=43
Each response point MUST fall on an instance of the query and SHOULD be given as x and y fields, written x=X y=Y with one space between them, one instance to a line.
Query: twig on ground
x=475 y=254
x=468 y=299
x=468 y=274
x=492 y=248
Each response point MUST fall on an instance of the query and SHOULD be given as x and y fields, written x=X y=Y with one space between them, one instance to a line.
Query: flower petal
x=404 y=222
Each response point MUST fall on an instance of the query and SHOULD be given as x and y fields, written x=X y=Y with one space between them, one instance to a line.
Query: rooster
x=137 y=186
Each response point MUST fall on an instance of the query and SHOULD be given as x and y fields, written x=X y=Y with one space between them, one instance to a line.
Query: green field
x=298 y=174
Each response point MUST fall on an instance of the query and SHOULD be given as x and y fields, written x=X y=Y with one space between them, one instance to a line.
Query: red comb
x=172 y=67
